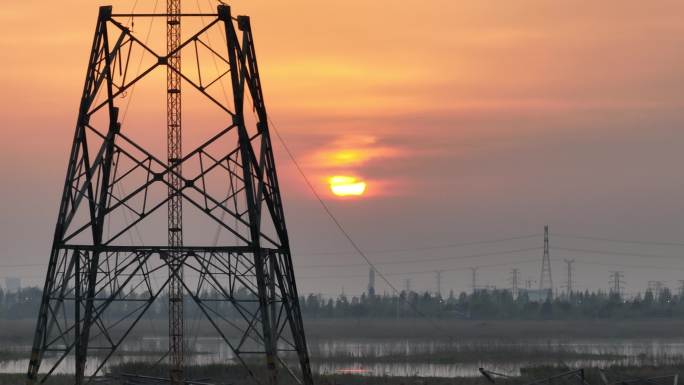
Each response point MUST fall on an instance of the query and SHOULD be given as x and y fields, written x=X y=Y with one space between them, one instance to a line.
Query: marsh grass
x=230 y=374
x=20 y=379
x=233 y=374
x=11 y=354
x=469 y=353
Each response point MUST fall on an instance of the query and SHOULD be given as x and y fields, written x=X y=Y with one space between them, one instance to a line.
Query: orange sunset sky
x=465 y=119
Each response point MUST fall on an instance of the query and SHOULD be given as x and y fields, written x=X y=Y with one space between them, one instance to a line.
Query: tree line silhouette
x=482 y=304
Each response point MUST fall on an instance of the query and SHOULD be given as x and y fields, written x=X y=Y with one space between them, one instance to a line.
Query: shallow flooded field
x=407 y=357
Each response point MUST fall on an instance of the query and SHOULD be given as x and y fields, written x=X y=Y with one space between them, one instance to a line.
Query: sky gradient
x=468 y=120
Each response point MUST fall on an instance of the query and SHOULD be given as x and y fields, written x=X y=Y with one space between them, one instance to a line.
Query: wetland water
x=425 y=358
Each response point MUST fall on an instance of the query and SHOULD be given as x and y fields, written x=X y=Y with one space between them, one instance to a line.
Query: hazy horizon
x=468 y=121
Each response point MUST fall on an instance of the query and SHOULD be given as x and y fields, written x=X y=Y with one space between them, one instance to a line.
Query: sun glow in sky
x=344 y=186
x=445 y=119
x=357 y=155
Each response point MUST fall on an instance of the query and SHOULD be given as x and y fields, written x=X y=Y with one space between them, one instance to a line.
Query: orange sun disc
x=346 y=186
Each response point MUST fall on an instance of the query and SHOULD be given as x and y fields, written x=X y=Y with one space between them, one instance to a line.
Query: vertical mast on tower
x=175 y=177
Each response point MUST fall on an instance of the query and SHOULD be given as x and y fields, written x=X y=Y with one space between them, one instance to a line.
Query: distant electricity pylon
x=438 y=282
x=473 y=283
x=545 y=280
x=407 y=285
x=371 y=282
x=656 y=287
x=118 y=182
x=514 y=281
x=616 y=282
x=568 y=283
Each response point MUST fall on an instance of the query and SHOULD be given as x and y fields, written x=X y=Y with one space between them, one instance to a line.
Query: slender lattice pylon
x=545 y=279
x=99 y=285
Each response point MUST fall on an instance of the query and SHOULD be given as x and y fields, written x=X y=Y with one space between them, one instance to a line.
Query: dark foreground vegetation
x=221 y=374
x=482 y=305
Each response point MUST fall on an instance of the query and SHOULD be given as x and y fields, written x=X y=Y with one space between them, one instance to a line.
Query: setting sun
x=346 y=186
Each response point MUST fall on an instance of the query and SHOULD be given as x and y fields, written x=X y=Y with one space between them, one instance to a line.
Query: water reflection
x=409 y=357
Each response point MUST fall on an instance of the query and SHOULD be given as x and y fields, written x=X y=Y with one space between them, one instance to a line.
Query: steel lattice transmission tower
x=568 y=281
x=514 y=281
x=371 y=283
x=99 y=284
x=545 y=280
x=438 y=283
x=616 y=283
x=174 y=142
x=473 y=280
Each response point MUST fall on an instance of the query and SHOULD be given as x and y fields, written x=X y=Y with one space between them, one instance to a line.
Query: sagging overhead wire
x=508 y=263
x=613 y=240
x=629 y=266
x=410 y=261
x=348 y=237
x=424 y=248
x=619 y=253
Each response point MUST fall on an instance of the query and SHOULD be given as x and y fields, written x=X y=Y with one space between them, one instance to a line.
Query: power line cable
x=342 y=230
x=621 y=253
x=409 y=261
x=435 y=247
x=645 y=267
x=509 y=263
x=612 y=240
